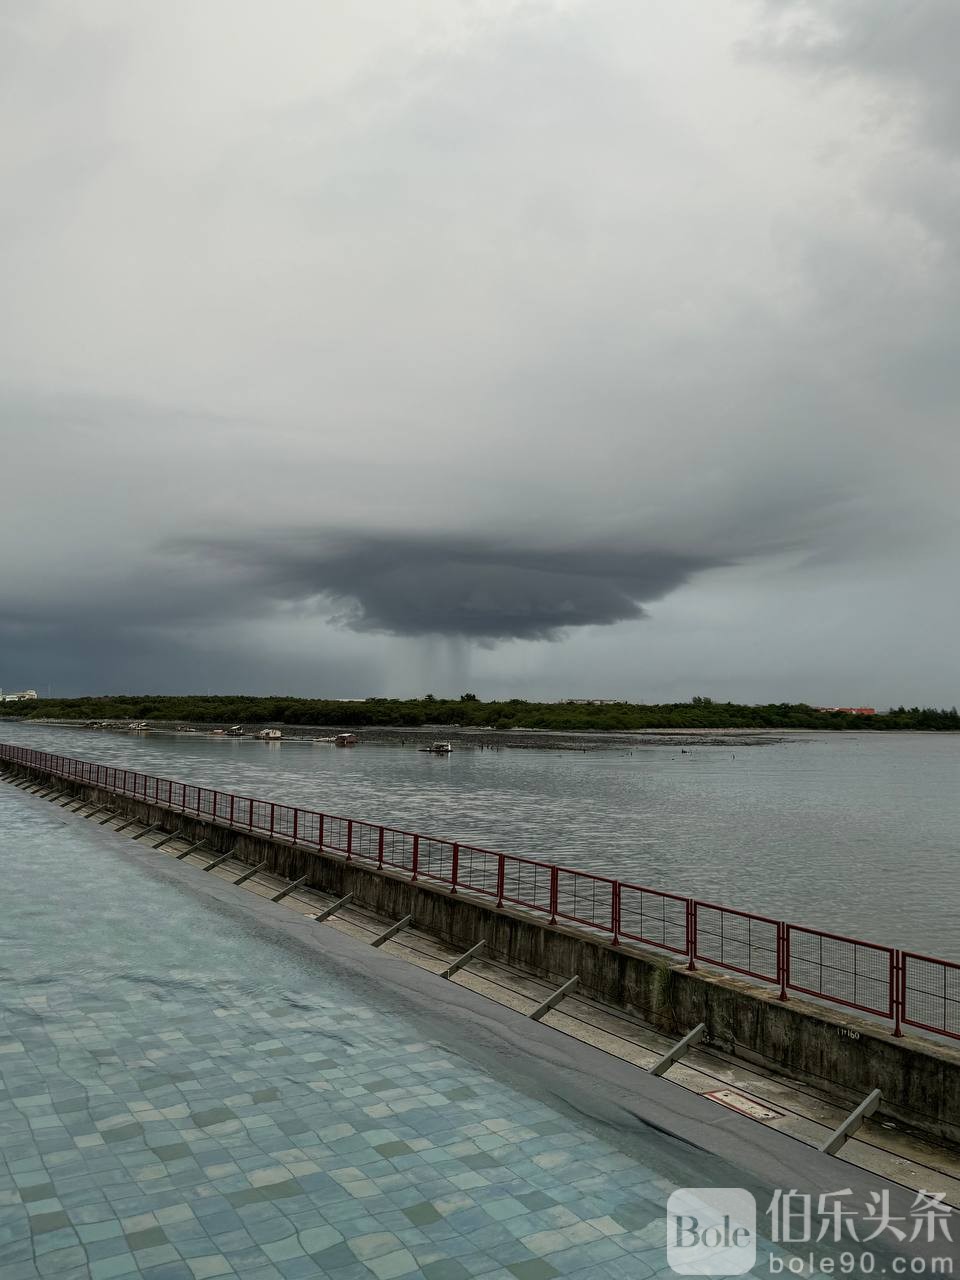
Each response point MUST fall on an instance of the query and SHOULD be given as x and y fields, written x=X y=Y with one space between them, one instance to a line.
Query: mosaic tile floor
x=183 y=1097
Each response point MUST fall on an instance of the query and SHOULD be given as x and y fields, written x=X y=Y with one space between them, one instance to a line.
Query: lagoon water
x=858 y=833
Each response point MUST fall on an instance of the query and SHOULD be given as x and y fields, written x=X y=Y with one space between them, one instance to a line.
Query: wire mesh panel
x=224 y=806
x=658 y=919
x=177 y=795
x=931 y=994
x=737 y=940
x=258 y=815
x=585 y=898
x=284 y=821
x=436 y=859
x=335 y=834
x=527 y=883
x=842 y=970
x=398 y=848
x=308 y=826
x=478 y=870
x=207 y=802
x=365 y=842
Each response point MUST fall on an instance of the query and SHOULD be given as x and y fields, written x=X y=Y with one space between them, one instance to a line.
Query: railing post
x=501 y=877
x=349 y=839
x=783 y=958
x=232 y=799
x=249 y=815
x=454 y=868
x=273 y=814
x=320 y=838
x=899 y=980
x=416 y=857
x=380 y=850
x=691 y=934
x=554 y=893
x=615 y=913
x=296 y=815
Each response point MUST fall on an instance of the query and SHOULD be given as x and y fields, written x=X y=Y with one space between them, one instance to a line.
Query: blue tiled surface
x=183 y=1098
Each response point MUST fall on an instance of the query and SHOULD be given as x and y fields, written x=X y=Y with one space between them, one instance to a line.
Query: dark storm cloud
x=433 y=584
x=82 y=654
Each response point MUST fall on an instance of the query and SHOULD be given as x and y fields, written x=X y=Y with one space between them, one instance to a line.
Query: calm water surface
x=855 y=833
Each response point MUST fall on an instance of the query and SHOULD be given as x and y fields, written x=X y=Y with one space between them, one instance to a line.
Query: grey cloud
x=911 y=45
x=83 y=654
x=436 y=584
x=497 y=279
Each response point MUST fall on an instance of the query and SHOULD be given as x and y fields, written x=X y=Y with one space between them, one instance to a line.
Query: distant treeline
x=469 y=711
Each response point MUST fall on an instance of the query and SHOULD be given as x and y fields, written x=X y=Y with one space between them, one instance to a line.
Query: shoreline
x=464 y=738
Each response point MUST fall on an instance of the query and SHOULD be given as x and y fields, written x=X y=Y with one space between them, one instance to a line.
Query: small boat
x=269 y=735
x=235 y=731
x=438 y=748
x=345 y=740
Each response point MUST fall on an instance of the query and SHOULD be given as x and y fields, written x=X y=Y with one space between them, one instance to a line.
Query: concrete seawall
x=843 y=1054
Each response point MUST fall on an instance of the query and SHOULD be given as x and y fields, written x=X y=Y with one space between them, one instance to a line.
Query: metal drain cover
x=740 y=1102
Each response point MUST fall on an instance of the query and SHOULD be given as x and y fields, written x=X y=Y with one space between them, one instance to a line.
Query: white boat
x=235 y=731
x=345 y=740
x=269 y=735
x=438 y=748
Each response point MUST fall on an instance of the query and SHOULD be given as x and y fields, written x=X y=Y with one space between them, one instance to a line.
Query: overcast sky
x=540 y=348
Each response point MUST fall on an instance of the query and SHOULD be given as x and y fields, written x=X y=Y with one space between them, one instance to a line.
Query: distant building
x=593 y=702
x=25 y=695
x=850 y=711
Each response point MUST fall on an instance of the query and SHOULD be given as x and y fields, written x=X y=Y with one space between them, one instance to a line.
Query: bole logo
x=711 y=1231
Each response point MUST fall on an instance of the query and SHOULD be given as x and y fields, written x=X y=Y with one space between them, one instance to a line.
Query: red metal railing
x=929 y=992
x=737 y=940
x=910 y=989
x=842 y=970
